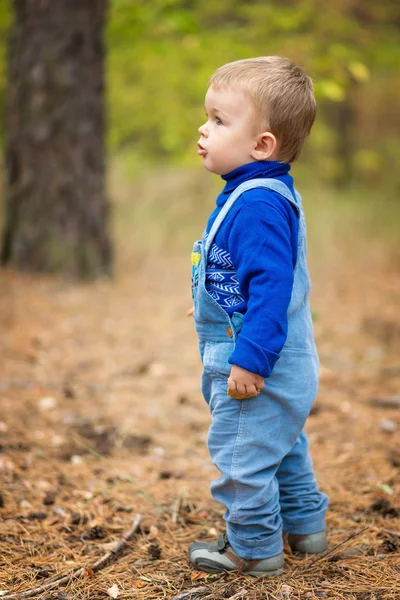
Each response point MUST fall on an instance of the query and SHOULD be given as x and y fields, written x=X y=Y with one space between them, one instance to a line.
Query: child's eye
x=218 y=121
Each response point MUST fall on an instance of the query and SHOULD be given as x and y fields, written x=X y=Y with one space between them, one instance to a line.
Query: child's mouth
x=201 y=151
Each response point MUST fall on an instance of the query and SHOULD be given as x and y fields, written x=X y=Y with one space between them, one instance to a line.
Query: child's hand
x=243 y=384
x=190 y=312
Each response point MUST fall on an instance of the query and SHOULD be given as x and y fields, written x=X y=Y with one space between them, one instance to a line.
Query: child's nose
x=203 y=130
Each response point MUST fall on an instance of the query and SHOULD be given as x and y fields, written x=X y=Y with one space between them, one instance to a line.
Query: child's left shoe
x=313 y=543
x=219 y=556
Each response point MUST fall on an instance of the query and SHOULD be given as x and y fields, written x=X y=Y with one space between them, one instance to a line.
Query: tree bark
x=56 y=211
x=342 y=117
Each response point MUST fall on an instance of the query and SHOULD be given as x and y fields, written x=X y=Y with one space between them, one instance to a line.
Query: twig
x=175 y=510
x=328 y=552
x=86 y=447
x=388 y=531
x=189 y=594
x=385 y=402
x=99 y=564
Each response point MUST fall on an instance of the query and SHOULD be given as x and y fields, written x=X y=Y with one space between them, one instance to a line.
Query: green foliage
x=161 y=54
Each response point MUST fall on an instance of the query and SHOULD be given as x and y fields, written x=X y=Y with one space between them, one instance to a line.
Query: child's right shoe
x=314 y=543
x=219 y=556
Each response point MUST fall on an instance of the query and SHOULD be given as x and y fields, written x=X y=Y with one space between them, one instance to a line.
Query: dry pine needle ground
x=101 y=419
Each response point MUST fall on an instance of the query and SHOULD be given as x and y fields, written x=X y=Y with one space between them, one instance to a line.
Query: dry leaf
x=83 y=494
x=195 y=575
x=285 y=592
x=41 y=484
x=47 y=403
x=107 y=546
x=6 y=464
x=385 y=488
x=57 y=440
x=203 y=514
x=113 y=591
x=388 y=426
x=153 y=534
x=87 y=572
x=157 y=370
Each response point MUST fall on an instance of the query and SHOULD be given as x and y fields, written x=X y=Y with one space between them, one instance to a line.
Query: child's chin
x=211 y=169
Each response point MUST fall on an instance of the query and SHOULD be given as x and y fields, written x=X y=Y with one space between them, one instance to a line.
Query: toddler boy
x=252 y=315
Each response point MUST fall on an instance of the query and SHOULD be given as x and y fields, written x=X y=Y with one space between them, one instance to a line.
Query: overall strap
x=268 y=183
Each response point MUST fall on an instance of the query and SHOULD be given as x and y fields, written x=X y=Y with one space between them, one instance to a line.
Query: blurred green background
x=160 y=56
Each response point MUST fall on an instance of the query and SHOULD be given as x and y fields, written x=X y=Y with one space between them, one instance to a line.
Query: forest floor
x=102 y=419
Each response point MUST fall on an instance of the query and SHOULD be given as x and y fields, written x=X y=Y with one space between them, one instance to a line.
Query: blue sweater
x=250 y=267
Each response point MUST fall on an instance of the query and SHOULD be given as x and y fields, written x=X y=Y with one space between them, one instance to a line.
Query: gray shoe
x=314 y=543
x=219 y=556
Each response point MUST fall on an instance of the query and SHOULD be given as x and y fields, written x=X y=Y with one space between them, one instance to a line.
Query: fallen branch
x=189 y=594
x=99 y=564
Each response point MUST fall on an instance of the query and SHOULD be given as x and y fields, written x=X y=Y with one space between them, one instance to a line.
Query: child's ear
x=265 y=147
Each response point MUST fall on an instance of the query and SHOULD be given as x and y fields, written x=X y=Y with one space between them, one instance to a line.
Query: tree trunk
x=342 y=118
x=56 y=213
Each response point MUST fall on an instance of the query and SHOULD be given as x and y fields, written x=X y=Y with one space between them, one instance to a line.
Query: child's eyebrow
x=216 y=109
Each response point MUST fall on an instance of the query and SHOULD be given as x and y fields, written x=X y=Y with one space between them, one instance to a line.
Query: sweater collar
x=262 y=168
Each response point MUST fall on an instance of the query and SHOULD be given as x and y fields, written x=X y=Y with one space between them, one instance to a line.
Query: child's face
x=228 y=138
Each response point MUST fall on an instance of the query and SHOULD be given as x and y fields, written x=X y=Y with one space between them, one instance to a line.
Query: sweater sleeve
x=261 y=249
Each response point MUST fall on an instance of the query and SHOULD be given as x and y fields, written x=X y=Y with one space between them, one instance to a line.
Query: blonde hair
x=283 y=97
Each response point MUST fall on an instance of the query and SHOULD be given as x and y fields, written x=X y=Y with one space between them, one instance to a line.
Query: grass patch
x=165 y=210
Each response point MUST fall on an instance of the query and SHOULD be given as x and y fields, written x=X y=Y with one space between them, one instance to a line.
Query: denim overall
x=267 y=482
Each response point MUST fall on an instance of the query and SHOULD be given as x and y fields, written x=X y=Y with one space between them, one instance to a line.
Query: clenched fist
x=243 y=384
